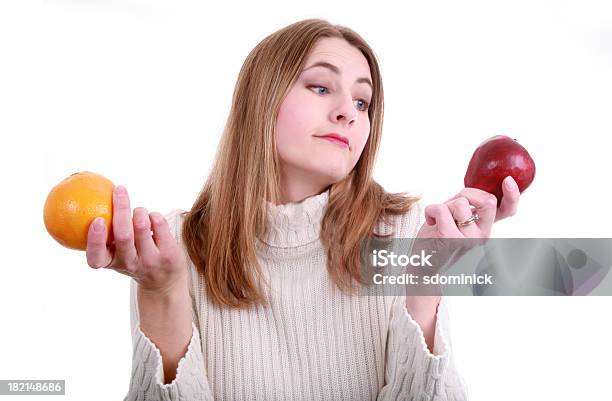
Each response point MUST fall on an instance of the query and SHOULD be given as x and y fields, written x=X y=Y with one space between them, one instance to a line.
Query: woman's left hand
x=443 y=223
x=442 y=220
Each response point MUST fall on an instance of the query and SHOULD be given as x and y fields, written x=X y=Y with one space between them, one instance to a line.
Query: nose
x=345 y=112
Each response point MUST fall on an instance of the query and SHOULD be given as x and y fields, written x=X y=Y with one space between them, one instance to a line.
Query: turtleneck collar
x=294 y=224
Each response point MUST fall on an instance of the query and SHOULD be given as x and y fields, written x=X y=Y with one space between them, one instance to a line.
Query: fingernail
x=98 y=225
x=509 y=183
x=120 y=190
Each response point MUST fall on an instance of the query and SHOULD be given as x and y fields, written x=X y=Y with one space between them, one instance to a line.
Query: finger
x=510 y=199
x=461 y=211
x=441 y=217
x=123 y=230
x=97 y=252
x=145 y=246
x=485 y=204
x=161 y=233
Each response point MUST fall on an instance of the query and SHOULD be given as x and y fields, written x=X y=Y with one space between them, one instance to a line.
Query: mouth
x=335 y=138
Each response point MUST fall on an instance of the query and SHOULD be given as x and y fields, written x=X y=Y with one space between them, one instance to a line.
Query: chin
x=323 y=171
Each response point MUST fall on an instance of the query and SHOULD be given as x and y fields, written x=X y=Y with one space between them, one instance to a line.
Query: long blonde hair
x=220 y=230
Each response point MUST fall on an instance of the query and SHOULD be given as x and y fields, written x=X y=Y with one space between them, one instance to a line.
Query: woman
x=252 y=293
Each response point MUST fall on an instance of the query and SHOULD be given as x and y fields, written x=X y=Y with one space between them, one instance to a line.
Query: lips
x=335 y=137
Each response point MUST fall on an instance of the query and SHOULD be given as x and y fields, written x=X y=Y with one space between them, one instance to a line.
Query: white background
x=139 y=91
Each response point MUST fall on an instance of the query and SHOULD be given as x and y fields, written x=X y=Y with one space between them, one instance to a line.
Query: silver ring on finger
x=469 y=221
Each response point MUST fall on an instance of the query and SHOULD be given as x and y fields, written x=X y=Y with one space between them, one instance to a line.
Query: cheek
x=362 y=137
x=294 y=124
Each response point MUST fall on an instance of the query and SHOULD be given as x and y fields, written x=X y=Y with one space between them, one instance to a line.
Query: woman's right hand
x=153 y=260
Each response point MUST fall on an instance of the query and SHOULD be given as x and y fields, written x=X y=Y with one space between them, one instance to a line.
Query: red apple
x=495 y=159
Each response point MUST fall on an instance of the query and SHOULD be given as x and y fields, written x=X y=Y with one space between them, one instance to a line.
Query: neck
x=297 y=185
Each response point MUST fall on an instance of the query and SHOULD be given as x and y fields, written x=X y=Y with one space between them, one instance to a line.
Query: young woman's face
x=331 y=96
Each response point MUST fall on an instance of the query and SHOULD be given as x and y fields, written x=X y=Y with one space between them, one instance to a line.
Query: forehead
x=339 y=52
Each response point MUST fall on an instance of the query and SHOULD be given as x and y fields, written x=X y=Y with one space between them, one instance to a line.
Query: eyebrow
x=336 y=70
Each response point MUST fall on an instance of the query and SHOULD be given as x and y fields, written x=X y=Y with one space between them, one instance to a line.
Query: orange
x=74 y=203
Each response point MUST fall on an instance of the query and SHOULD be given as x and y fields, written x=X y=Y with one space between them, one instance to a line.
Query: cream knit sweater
x=313 y=342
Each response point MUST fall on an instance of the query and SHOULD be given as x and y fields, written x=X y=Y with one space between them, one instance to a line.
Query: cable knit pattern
x=312 y=343
x=147 y=381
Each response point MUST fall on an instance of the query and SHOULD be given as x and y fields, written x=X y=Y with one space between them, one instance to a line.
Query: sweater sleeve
x=147 y=378
x=412 y=372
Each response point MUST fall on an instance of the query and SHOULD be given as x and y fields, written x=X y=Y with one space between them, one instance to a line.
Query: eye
x=321 y=90
x=318 y=87
x=364 y=106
